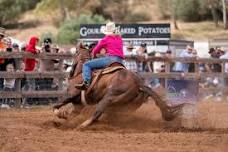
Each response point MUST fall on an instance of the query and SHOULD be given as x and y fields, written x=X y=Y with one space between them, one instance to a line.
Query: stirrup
x=82 y=86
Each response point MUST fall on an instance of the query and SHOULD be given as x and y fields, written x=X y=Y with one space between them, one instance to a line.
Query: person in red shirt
x=31 y=47
x=31 y=63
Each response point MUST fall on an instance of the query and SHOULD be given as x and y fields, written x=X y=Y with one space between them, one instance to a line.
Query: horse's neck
x=78 y=68
x=79 y=61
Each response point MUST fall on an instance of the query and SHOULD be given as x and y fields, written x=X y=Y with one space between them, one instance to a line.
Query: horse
x=117 y=91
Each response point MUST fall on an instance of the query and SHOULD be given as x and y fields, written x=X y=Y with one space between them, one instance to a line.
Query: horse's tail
x=168 y=113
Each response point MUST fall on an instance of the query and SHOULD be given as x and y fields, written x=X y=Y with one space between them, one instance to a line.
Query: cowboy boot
x=82 y=86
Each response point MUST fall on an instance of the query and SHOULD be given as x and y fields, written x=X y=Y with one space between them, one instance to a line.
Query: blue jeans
x=98 y=63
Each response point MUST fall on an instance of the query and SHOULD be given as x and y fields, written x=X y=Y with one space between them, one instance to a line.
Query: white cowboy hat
x=109 y=28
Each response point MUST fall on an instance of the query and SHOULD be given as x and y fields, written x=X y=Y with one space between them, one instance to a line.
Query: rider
x=113 y=44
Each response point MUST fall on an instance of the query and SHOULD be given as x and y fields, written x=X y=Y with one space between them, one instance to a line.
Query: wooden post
x=18 y=84
x=224 y=85
x=60 y=83
x=197 y=77
x=167 y=70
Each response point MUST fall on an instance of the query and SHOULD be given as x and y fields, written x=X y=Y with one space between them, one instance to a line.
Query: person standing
x=183 y=67
x=46 y=65
x=225 y=56
x=9 y=85
x=2 y=48
x=31 y=63
x=142 y=52
x=130 y=64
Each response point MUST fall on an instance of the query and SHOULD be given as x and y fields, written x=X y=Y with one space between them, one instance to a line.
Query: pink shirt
x=113 y=45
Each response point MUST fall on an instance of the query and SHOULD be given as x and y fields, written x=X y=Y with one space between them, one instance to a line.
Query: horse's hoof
x=84 y=124
x=56 y=107
x=56 y=111
x=61 y=115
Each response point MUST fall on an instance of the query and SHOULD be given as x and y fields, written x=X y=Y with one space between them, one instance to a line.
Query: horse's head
x=82 y=55
x=83 y=52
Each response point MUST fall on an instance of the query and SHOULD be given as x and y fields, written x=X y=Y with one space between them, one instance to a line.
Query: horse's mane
x=83 y=54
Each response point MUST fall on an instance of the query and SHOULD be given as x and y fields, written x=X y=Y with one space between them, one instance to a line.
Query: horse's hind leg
x=101 y=106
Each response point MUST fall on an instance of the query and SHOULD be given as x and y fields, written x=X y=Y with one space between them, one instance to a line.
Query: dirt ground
x=37 y=130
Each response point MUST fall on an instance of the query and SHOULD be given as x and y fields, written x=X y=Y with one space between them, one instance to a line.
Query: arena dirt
x=37 y=130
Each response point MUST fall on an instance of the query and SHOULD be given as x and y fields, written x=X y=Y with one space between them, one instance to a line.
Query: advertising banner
x=128 y=31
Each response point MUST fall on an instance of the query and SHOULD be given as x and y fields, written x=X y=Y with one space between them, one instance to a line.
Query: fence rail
x=21 y=55
x=18 y=94
x=60 y=76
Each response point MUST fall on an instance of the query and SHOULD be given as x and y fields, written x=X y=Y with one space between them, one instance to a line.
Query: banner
x=147 y=31
x=182 y=91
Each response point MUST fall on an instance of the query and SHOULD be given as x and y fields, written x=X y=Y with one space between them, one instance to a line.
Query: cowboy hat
x=2 y=31
x=109 y=28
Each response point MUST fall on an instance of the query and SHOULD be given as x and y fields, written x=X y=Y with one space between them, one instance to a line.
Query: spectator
x=9 y=49
x=191 y=67
x=23 y=47
x=142 y=51
x=31 y=47
x=15 y=47
x=225 y=56
x=155 y=82
x=2 y=48
x=47 y=64
x=31 y=63
x=2 y=35
x=215 y=67
x=183 y=67
x=168 y=53
x=8 y=42
x=157 y=64
x=9 y=85
x=130 y=64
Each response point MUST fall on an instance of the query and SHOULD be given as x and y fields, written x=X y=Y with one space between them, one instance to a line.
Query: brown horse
x=121 y=91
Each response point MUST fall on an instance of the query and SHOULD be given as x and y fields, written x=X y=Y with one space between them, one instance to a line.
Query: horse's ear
x=81 y=46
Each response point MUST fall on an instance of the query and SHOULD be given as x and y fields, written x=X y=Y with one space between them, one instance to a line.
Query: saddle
x=96 y=76
x=98 y=73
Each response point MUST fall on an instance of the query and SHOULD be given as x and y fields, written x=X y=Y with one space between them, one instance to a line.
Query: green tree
x=224 y=14
x=69 y=30
x=187 y=10
x=10 y=10
x=164 y=7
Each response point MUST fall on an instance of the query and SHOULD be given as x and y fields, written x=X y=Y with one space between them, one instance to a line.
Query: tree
x=63 y=10
x=10 y=10
x=174 y=14
x=69 y=30
x=224 y=14
x=213 y=5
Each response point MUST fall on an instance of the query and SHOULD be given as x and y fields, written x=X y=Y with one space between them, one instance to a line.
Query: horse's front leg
x=63 y=113
x=101 y=106
x=75 y=96
x=64 y=102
